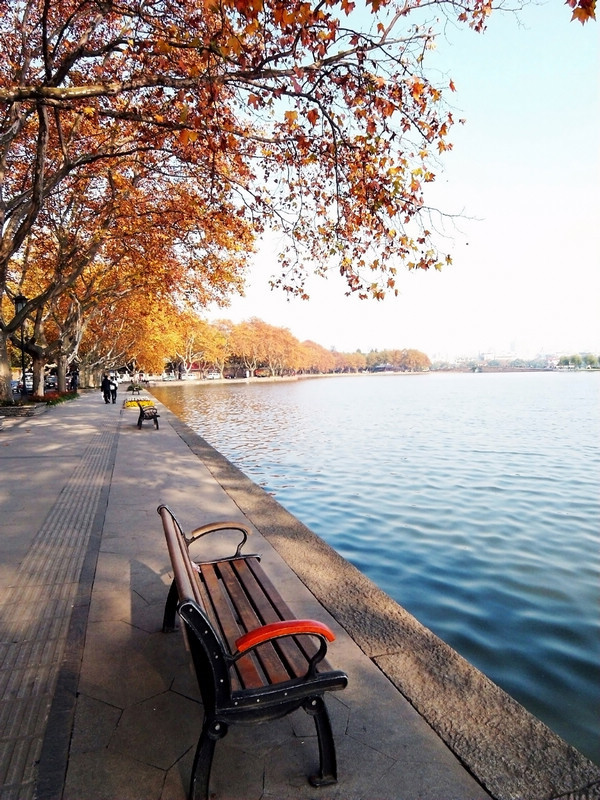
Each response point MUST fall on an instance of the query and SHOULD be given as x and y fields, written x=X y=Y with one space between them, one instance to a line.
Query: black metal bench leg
x=170 y=609
x=211 y=733
x=315 y=706
x=156 y=422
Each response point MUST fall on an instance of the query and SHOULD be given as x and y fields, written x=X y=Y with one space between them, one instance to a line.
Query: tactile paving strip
x=35 y=616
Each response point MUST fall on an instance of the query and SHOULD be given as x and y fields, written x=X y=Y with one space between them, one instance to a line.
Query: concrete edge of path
x=508 y=750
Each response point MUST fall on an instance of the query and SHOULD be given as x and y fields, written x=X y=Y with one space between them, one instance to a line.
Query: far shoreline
x=388 y=373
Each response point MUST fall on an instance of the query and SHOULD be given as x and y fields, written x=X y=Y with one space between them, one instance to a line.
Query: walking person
x=105 y=388
x=113 y=388
x=74 y=379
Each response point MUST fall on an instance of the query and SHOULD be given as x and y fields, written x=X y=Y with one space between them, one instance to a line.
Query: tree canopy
x=126 y=123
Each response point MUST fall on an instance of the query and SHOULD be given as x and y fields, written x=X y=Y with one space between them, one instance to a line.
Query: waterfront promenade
x=99 y=704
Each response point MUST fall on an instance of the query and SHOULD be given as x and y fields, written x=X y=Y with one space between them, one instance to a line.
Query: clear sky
x=525 y=173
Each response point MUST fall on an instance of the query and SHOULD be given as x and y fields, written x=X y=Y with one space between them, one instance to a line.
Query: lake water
x=472 y=499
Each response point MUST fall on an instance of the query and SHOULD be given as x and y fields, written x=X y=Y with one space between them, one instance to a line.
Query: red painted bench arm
x=290 y=627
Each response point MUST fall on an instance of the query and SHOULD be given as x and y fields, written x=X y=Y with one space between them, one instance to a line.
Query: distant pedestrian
x=113 y=389
x=105 y=388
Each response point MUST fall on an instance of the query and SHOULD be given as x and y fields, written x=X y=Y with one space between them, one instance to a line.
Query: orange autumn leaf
x=416 y=88
x=583 y=10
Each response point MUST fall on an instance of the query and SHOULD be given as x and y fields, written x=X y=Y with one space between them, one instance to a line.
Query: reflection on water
x=471 y=499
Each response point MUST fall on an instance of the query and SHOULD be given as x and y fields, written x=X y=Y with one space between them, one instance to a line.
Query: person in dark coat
x=105 y=388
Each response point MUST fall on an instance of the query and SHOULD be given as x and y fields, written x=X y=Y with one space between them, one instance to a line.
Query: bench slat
x=272 y=608
x=305 y=643
x=203 y=599
x=267 y=654
x=220 y=608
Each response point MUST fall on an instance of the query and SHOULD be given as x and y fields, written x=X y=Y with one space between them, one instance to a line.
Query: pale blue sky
x=525 y=171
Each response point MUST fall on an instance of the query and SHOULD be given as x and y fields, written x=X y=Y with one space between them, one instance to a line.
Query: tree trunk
x=38 y=375
x=61 y=372
x=6 y=395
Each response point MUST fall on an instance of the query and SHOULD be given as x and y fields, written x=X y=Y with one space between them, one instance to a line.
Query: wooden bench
x=147 y=412
x=253 y=659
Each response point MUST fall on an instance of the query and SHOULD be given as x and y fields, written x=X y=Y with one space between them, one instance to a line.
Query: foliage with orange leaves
x=116 y=241
x=304 y=115
x=140 y=331
x=583 y=10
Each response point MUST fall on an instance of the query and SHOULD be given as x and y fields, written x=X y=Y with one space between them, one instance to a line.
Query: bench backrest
x=183 y=568
x=204 y=642
x=149 y=410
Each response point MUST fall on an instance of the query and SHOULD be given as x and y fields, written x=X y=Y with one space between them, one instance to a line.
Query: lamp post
x=20 y=303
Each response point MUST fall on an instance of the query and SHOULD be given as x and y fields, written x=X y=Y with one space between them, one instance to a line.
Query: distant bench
x=253 y=659
x=147 y=413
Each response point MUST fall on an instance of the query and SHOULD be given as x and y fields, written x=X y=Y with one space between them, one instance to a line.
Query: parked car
x=50 y=382
x=213 y=376
x=28 y=382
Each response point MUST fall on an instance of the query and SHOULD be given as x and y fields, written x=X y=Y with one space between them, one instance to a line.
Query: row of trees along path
x=144 y=147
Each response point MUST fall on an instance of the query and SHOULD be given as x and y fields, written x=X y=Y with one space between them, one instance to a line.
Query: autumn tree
x=221 y=346
x=139 y=330
x=377 y=358
x=414 y=361
x=349 y=362
x=247 y=344
x=282 y=350
x=191 y=337
x=311 y=116
x=316 y=358
x=96 y=250
x=354 y=362
x=404 y=360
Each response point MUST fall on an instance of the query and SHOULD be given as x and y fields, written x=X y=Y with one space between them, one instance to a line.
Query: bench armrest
x=275 y=630
x=223 y=525
x=292 y=627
